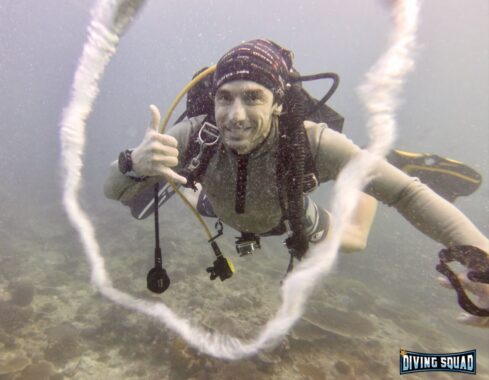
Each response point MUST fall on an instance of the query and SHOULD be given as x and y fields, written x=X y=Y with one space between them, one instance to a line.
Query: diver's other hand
x=481 y=299
x=157 y=153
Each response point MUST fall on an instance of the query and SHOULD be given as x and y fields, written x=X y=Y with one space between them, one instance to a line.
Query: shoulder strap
x=311 y=174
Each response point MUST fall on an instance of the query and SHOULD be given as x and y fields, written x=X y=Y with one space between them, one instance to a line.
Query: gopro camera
x=247 y=244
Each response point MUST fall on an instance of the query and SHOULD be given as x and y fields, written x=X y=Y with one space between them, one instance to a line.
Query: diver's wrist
x=135 y=176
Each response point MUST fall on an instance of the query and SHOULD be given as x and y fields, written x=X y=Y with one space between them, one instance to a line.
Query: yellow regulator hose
x=177 y=100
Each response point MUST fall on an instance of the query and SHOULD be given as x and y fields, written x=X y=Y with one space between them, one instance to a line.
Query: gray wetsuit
x=331 y=150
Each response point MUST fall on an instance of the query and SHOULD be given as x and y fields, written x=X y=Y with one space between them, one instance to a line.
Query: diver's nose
x=237 y=112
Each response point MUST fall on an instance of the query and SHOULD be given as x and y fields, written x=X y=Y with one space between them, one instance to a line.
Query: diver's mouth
x=232 y=128
x=237 y=132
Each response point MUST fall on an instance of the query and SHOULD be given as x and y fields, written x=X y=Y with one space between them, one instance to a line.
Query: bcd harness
x=294 y=177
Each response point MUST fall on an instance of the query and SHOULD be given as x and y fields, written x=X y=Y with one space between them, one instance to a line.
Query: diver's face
x=244 y=112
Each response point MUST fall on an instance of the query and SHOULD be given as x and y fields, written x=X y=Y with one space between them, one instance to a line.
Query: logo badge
x=410 y=362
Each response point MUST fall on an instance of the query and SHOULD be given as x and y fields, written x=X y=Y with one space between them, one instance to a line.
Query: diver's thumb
x=155 y=118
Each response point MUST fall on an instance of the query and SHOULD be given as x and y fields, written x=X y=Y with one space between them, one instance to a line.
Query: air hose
x=177 y=100
x=222 y=267
x=292 y=122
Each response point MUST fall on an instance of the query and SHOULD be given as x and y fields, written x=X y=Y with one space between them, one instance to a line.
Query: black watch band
x=125 y=161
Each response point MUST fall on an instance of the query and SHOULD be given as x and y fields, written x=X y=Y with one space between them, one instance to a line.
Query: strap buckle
x=310 y=183
x=208 y=136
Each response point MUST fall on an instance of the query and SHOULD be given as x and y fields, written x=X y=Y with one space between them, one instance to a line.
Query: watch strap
x=134 y=176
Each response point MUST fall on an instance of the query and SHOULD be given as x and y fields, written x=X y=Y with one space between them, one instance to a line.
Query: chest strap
x=241 y=181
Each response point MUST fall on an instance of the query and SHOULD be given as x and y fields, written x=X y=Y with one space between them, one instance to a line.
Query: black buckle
x=221 y=267
x=476 y=260
x=219 y=228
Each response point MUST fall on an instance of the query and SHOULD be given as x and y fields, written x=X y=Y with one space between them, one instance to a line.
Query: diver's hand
x=157 y=153
x=481 y=299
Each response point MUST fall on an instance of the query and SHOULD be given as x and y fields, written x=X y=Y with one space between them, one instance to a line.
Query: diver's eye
x=223 y=97
x=253 y=97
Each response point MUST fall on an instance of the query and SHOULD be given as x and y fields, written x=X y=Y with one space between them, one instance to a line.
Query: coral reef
x=8 y=341
x=13 y=362
x=63 y=343
x=338 y=321
x=63 y=350
x=38 y=371
x=342 y=367
x=348 y=330
x=21 y=293
x=184 y=361
x=14 y=317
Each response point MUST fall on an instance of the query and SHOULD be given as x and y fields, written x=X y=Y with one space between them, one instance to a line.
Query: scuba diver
x=256 y=154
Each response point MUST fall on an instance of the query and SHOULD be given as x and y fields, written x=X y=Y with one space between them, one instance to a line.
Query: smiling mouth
x=237 y=128
x=237 y=133
x=236 y=138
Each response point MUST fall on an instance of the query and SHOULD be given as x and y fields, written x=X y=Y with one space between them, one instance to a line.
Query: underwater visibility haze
x=53 y=324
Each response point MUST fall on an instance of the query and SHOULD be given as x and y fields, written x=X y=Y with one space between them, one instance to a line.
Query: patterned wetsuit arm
x=423 y=208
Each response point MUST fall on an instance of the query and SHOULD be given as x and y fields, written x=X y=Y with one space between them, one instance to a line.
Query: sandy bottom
x=53 y=325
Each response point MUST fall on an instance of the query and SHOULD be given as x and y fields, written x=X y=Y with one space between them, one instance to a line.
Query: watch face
x=124 y=163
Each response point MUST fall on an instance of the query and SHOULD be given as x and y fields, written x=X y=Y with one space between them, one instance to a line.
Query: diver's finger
x=472 y=320
x=170 y=174
x=165 y=161
x=166 y=140
x=477 y=288
x=443 y=281
x=155 y=117
x=159 y=149
x=470 y=286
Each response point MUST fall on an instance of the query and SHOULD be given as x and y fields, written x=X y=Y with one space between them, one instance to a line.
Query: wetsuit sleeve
x=122 y=188
x=422 y=207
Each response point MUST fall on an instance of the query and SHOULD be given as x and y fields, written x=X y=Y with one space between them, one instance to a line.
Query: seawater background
x=378 y=301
